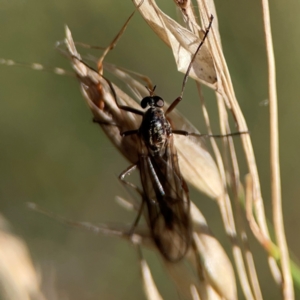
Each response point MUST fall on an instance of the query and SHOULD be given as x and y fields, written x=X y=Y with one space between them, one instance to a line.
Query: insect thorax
x=155 y=130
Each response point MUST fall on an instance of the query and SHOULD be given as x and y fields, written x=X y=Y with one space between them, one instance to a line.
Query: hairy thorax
x=155 y=130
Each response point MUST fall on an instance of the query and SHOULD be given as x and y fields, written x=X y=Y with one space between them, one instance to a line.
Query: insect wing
x=166 y=195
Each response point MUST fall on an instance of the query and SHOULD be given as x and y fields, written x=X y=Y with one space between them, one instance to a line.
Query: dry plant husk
x=182 y=41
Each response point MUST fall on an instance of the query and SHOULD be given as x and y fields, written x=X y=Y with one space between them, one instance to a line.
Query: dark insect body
x=165 y=191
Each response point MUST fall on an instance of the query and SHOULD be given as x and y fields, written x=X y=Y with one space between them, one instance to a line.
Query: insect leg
x=113 y=44
x=127 y=172
x=137 y=219
x=186 y=133
x=122 y=179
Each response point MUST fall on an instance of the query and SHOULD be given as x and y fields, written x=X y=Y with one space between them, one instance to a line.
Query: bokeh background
x=52 y=154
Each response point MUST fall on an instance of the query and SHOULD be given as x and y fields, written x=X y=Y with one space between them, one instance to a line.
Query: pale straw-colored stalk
x=288 y=291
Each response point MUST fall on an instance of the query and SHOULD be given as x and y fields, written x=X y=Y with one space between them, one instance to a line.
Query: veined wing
x=166 y=195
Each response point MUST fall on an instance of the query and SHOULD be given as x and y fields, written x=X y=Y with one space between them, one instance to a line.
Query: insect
x=165 y=192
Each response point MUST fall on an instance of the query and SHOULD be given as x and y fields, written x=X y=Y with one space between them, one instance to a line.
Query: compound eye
x=145 y=102
x=159 y=102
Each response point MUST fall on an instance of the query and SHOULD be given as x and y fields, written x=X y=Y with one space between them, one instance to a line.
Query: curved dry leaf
x=198 y=167
x=196 y=164
x=182 y=41
x=216 y=264
x=188 y=14
x=101 y=101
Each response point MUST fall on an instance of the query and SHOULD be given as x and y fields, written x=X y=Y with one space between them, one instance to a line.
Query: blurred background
x=52 y=154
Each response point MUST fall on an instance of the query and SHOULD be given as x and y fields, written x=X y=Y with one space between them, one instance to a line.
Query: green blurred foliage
x=52 y=154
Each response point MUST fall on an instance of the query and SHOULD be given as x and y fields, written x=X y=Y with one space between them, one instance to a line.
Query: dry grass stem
x=225 y=88
x=288 y=290
x=266 y=243
x=225 y=207
x=252 y=272
x=227 y=92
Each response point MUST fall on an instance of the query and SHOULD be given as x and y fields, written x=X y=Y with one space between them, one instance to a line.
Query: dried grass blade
x=225 y=208
x=101 y=101
x=188 y=15
x=182 y=41
x=216 y=264
x=225 y=88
